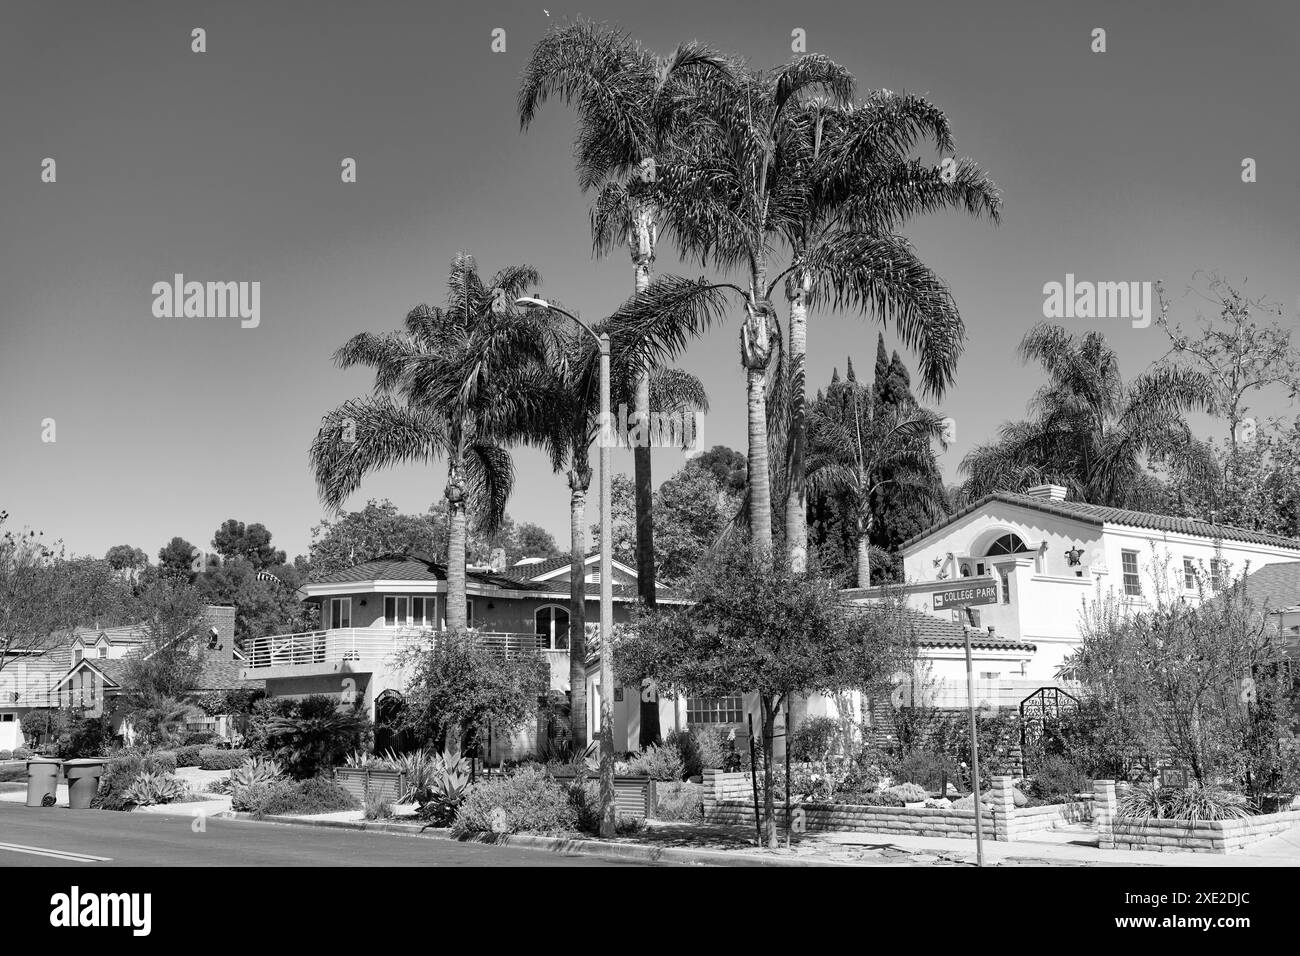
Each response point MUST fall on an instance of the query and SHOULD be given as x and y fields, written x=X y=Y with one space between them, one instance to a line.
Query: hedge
x=210 y=758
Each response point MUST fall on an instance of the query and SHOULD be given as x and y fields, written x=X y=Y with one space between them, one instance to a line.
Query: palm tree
x=1088 y=430
x=631 y=107
x=857 y=451
x=725 y=193
x=567 y=429
x=457 y=383
x=858 y=186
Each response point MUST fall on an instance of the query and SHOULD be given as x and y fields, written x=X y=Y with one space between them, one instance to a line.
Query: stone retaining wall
x=1171 y=836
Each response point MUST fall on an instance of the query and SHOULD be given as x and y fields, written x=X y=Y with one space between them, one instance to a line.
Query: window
x=469 y=612
x=1006 y=585
x=1217 y=568
x=78 y=653
x=6 y=718
x=1189 y=574
x=1129 y=566
x=102 y=652
x=424 y=611
x=714 y=710
x=340 y=612
x=552 y=627
x=397 y=610
x=990 y=675
x=1008 y=544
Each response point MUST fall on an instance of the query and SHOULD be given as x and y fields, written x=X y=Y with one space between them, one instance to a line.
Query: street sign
x=965 y=597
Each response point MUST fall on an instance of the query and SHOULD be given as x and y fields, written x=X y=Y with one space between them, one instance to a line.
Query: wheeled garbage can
x=42 y=781
x=83 y=781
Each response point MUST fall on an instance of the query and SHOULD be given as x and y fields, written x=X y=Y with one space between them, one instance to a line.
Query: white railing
x=339 y=644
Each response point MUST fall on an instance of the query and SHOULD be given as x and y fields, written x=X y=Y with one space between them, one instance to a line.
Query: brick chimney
x=220 y=647
x=1047 y=492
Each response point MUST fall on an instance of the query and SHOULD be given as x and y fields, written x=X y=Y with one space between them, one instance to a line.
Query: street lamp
x=607 y=817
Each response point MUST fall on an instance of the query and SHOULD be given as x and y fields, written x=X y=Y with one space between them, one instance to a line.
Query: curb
x=596 y=848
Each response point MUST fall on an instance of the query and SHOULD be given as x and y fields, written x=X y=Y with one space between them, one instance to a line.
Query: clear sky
x=225 y=166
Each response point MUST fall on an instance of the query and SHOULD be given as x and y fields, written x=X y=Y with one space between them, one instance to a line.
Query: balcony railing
x=340 y=644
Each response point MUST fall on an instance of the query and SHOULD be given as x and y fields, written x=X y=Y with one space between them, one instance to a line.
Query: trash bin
x=83 y=781
x=42 y=781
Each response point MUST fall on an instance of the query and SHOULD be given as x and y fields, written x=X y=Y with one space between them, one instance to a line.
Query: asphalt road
x=31 y=836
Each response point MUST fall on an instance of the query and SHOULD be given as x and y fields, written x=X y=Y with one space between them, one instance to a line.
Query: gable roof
x=1278 y=585
x=1100 y=515
x=213 y=675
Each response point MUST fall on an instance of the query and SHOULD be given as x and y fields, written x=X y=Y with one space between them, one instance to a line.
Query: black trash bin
x=43 y=781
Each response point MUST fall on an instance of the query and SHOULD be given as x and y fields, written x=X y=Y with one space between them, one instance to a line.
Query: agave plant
x=255 y=770
x=151 y=788
x=446 y=789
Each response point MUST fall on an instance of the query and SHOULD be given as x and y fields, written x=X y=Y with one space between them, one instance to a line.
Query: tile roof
x=932 y=631
x=1101 y=514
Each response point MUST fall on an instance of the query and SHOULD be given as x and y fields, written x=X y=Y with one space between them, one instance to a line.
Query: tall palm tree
x=725 y=193
x=631 y=106
x=567 y=429
x=1088 y=430
x=854 y=185
x=857 y=451
x=457 y=383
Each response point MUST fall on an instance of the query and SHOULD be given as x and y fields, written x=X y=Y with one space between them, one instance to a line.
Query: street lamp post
x=607 y=810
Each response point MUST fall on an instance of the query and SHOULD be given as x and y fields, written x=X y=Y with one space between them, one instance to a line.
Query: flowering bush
x=527 y=800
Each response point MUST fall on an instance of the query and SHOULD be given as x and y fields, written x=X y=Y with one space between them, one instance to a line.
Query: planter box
x=386 y=785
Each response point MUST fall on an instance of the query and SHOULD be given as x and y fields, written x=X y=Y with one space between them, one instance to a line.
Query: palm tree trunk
x=796 y=503
x=755 y=353
x=864 y=557
x=769 y=801
x=642 y=241
x=579 y=482
x=456 y=594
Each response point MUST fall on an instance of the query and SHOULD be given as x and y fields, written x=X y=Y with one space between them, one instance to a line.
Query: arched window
x=1007 y=544
x=552 y=627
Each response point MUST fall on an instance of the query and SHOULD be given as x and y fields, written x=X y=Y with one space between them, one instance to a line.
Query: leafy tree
x=43 y=592
x=1203 y=681
x=377 y=529
x=692 y=511
x=456 y=383
x=457 y=687
x=725 y=464
x=171 y=658
x=757 y=626
x=261 y=606
x=124 y=557
x=1089 y=430
x=252 y=543
x=534 y=541
x=176 y=559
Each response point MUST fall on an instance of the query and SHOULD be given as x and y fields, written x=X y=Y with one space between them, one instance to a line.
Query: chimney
x=221 y=646
x=1047 y=492
x=497 y=562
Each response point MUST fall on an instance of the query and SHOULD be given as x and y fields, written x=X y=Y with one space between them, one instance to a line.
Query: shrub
x=188 y=756
x=166 y=760
x=375 y=807
x=22 y=753
x=814 y=739
x=687 y=746
x=276 y=797
x=120 y=774
x=193 y=738
x=153 y=788
x=1058 y=777
x=927 y=769
x=526 y=800
x=85 y=737
x=658 y=763
x=255 y=770
x=316 y=735
x=909 y=792
x=1146 y=801
x=210 y=758
x=6 y=754
x=881 y=798
x=680 y=801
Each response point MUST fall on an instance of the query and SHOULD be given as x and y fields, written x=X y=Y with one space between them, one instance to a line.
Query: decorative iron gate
x=1044 y=703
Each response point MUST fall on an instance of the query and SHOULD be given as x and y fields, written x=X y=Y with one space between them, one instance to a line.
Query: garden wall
x=1172 y=836
x=1036 y=819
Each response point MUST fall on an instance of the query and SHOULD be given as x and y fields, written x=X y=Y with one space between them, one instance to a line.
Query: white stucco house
x=1041 y=557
